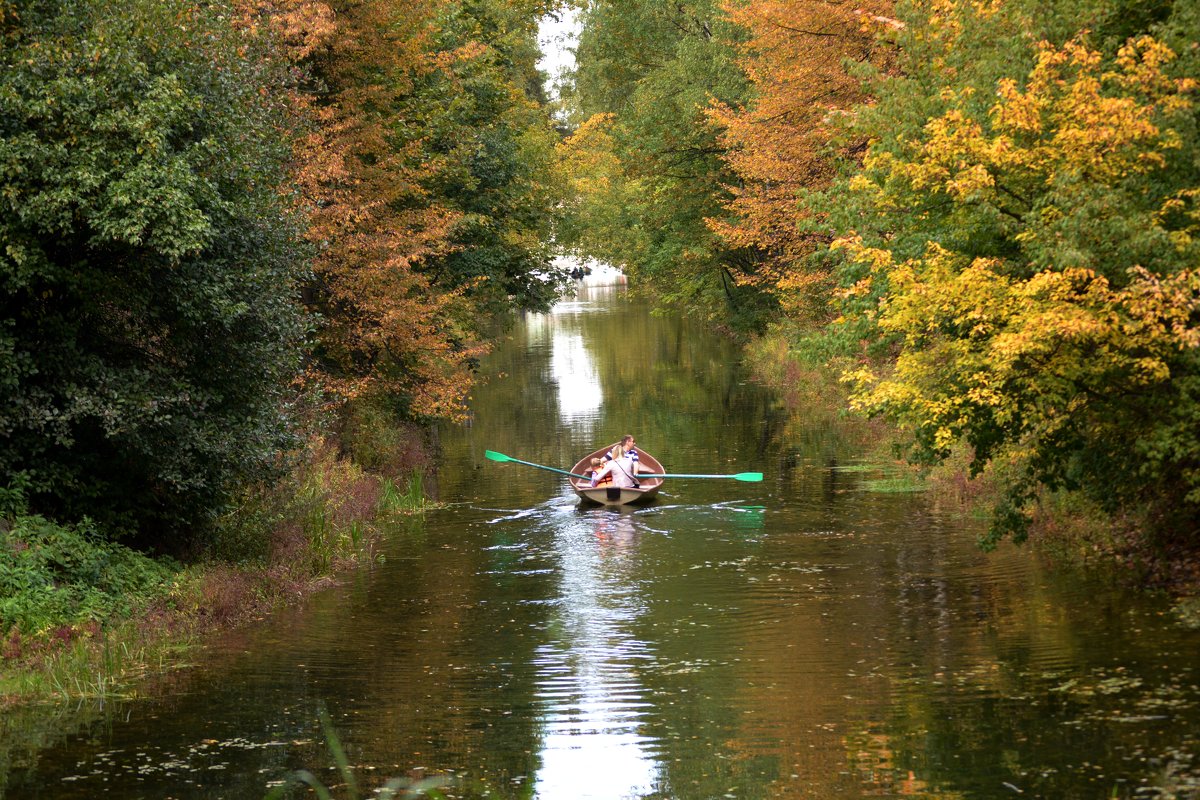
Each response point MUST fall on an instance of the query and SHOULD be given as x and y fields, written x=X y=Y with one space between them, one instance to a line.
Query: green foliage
x=645 y=186
x=54 y=576
x=393 y=500
x=13 y=502
x=148 y=327
x=485 y=120
x=378 y=437
x=242 y=535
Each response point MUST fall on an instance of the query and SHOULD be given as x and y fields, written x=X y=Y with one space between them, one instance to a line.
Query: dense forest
x=982 y=214
x=221 y=218
x=238 y=233
x=242 y=244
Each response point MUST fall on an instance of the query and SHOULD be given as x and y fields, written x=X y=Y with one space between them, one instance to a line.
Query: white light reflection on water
x=592 y=701
x=578 y=381
x=572 y=368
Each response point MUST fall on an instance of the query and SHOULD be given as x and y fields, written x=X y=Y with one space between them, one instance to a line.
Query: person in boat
x=627 y=446
x=620 y=465
x=597 y=465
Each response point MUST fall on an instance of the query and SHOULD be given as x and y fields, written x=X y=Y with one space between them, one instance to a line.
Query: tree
x=486 y=123
x=148 y=259
x=649 y=70
x=384 y=330
x=1027 y=244
x=426 y=169
x=786 y=141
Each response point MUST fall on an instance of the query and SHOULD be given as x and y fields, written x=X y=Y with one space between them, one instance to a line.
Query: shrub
x=149 y=323
x=55 y=577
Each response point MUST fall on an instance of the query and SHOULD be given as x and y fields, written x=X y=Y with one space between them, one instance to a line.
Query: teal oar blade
x=750 y=477
x=492 y=455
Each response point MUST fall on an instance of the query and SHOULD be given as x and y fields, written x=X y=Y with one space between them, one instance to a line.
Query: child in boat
x=597 y=465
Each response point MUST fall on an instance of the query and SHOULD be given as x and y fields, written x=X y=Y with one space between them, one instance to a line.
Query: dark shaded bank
x=85 y=618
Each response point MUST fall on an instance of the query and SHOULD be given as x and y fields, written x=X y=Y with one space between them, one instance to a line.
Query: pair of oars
x=751 y=477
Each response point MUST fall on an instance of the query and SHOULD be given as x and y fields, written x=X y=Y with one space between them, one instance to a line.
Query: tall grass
x=102 y=668
x=83 y=618
x=411 y=499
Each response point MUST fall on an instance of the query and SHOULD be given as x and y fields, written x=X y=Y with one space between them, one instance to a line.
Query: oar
x=750 y=477
x=494 y=456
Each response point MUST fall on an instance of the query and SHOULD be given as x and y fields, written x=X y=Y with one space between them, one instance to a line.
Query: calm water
x=838 y=642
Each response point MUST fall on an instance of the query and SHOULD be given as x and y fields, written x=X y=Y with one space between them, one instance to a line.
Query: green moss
x=895 y=485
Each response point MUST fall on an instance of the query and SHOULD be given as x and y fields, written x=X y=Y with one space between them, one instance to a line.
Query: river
x=815 y=635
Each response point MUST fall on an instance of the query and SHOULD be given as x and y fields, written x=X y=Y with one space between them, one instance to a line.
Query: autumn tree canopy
x=427 y=169
x=1023 y=236
x=787 y=139
x=645 y=168
x=987 y=207
x=213 y=211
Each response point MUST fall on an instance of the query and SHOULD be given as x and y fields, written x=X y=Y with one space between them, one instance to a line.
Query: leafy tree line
x=150 y=321
x=983 y=211
x=216 y=215
x=646 y=171
x=1021 y=236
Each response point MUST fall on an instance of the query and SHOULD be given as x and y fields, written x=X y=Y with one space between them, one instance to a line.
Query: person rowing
x=621 y=463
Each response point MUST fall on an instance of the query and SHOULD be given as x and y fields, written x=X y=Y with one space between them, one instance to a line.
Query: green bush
x=149 y=317
x=54 y=576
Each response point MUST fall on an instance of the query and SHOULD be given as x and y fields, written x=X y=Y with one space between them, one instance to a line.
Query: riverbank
x=1064 y=526
x=86 y=619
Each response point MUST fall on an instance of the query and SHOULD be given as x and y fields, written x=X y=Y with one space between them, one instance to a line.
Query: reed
x=409 y=500
x=106 y=667
x=393 y=788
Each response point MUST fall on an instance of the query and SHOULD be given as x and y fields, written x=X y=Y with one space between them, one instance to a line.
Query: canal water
x=815 y=635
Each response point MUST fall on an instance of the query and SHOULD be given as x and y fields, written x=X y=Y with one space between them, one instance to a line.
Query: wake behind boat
x=610 y=495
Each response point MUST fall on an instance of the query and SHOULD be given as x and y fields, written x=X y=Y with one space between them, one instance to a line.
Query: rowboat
x=609 y=495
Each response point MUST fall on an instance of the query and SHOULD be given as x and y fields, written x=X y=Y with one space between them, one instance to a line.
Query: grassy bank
x=1065 y=526
x=83 y=617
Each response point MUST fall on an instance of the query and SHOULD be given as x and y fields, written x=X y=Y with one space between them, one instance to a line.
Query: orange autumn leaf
x=384 y=328
x=781 y=144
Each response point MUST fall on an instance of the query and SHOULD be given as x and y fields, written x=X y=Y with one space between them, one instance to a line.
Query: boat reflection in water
x=592 y=702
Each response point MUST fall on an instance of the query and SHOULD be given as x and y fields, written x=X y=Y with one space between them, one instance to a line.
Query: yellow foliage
x=1071 y=117
x=975 y=337
x=1053 y=314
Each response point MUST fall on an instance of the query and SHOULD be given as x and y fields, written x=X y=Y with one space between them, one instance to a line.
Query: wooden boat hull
x=609 y=495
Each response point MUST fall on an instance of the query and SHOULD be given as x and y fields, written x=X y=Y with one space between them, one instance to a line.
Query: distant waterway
x=809 y=636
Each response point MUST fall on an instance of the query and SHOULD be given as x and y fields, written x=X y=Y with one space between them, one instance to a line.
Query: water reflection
x=803 y=637
x=572 y=367
x=578 y=381
x=592 y=702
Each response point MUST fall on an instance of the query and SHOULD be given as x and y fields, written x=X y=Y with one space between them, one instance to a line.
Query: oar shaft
x=548 y=469
x=679 y=475
x=742 y=476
